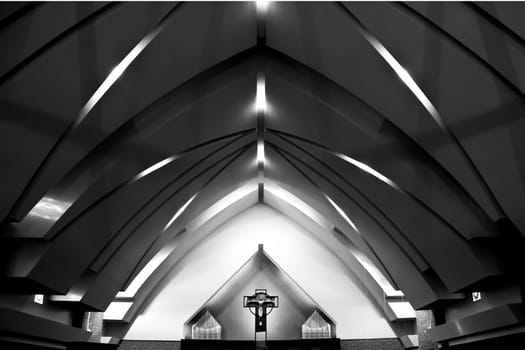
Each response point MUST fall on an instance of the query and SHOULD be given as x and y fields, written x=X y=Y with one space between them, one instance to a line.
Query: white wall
x=211 y=263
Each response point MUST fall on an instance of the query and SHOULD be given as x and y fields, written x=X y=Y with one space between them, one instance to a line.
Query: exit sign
x=476 y=296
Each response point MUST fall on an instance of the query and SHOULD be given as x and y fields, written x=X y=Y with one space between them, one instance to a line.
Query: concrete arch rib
x=203 y=225
x=141 y=295
x=365 y=70
x=124 y=221
x=318 y=111
x=160 y=81
x=467 y=118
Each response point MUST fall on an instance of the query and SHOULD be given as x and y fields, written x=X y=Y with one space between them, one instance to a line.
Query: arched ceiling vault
x=124 y=124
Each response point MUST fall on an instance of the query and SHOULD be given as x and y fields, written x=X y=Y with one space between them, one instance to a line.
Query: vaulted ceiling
x=398 y=126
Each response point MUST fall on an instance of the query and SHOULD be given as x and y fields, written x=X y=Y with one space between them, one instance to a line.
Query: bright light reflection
x=405 y=77
x=260 y=153
x=367 y=169
x=402 y=309
x=106 y=340
x=363 y=260
x=116 y=73
x=342 y=213
x=297 y=203
x=146 y=271
x=155 y=167
x=180 y=211
x=49 y=208
x=72 y=296
x=376 y=274
x=117 y=310
x=262 y=5
x=222 y=204
x=372 y=270
x=260 y=97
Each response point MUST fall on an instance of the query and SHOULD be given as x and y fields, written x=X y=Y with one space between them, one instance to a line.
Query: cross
x=260 y=302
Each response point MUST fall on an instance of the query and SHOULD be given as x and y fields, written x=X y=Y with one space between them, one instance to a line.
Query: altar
x=298 y=344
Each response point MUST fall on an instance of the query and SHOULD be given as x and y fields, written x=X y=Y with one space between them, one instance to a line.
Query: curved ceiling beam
x=365 y=70
x=424 y=100
x=23 y=62
x=281 y=171
x=153 y=204
x=69 y=149
x=497 y=70
x=48 y=220
x=497 y=23
x=375 y=142
x=382 y=293
x=143 y=140
x=450 y=72
x=123 y=260
x=159 y=275
x=476 y=265
x=16 y=12
x=223 y=192
x=366 y=248
x=58 y=79
x=472 y=230
x=292 y=206
x=381 y=219
x=96 y=232
x=196 y=213
x=187 y=241
x=120 y=68
x=414 y=284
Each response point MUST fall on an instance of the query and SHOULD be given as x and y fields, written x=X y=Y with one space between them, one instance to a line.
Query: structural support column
x=425 y=320
x=93 y=322
x=260 y=102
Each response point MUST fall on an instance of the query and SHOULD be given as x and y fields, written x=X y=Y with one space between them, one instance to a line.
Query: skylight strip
x=180 y=211
x=342 y=213
x=154 y=167
x=297 y=203
x=146 y=272
x=260 y=96
x=116 y=73
x=117 y=310
x=404 y=76
x=366 y=168
x=261 y=6
x=260 y=153
x=222 y=204
x=50 y=208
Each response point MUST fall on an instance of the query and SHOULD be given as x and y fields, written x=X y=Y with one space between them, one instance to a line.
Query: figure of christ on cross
x=259 y=303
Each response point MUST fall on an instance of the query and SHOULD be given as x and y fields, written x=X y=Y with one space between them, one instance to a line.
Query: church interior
x=262 y=175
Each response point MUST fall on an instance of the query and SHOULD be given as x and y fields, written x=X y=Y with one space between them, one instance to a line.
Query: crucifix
x=261 y=304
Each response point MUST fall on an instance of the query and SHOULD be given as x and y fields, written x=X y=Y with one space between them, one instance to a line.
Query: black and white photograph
x=262 y=175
